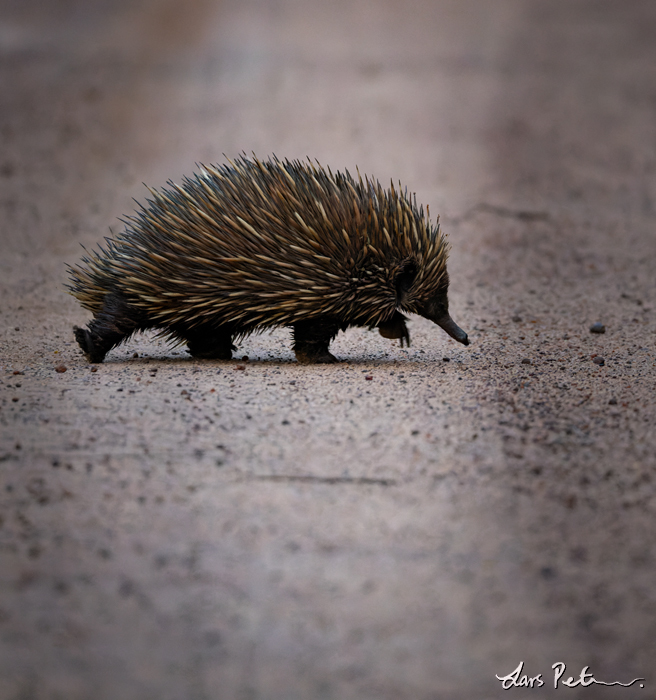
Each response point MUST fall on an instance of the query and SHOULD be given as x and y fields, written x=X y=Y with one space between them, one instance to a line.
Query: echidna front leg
x=113 y=323
x=312 y=338
x=395 y=328
x=210 y=343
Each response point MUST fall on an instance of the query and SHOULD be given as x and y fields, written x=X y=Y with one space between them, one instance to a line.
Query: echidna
x=251 y=245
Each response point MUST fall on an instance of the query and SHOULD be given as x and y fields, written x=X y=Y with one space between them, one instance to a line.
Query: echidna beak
x=453 y=329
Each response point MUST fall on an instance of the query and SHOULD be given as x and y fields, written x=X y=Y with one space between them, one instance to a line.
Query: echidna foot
x=310 y=358
x=326 y=358
x=206 y=343
x=212 y=354
x=112 y=324
x=395 y=328
x=85 y=341
x=312 y=338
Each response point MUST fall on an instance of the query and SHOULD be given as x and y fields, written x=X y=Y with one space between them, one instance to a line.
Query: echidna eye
x=405 y=277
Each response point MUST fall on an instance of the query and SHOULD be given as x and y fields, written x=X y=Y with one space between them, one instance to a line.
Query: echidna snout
x=453 y=329
x=437 y=310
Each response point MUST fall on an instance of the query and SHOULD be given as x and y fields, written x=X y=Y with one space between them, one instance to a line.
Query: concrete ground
x=172 y=529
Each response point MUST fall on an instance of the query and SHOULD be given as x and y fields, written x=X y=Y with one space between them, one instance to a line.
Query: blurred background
x=510 y=512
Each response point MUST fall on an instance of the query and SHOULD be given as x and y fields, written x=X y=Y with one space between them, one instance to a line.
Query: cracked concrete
x=405 y=524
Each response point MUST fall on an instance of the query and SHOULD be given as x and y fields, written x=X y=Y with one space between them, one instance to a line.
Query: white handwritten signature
x=518 y=679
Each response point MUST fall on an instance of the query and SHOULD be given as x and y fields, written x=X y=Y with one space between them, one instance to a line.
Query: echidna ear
x=404 y=278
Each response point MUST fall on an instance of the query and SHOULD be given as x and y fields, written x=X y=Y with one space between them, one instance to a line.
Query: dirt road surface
x=172 y=529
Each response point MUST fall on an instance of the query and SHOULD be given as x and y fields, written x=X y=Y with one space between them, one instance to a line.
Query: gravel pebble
x=597 y=328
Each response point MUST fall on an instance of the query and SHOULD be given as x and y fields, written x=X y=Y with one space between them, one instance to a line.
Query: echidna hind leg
x=210 y=343
x=112 y=324
x=312 y=338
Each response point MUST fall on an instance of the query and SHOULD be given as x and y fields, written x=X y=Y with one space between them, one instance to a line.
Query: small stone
x=526 y=361
x=597 y=328
x=368 y=377
x=244 y=358
x=612 y=402
x=61 y=368
x=547 y=572
x=516 y=319
x=136 y=354
x=446 y=359
x=94 y=369
x=598 y=360
x=240 y=367
x=17 y=371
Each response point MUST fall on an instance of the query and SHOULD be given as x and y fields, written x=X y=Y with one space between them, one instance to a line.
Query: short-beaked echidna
x=251 y=245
